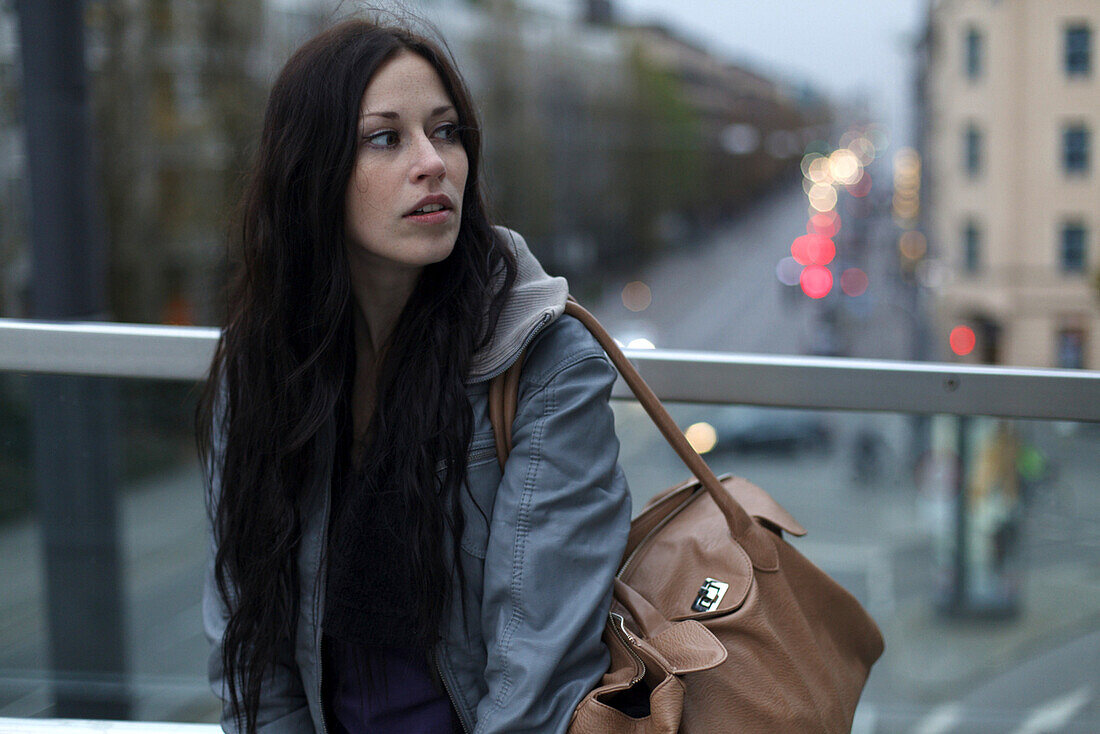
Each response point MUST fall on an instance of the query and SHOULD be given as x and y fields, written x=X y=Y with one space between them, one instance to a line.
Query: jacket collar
x=536 y=300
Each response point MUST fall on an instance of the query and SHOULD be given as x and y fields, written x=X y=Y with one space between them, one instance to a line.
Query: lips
x=431 y=205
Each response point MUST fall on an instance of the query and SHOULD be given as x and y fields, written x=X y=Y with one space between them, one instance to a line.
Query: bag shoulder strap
x=502 y=411
x=503 y=395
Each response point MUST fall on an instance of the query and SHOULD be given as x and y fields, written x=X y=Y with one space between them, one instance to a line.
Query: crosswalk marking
x=1055 y=713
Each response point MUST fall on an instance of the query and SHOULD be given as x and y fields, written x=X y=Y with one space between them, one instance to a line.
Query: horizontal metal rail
x=106 y=350
x=97 y=726
x=184 y=353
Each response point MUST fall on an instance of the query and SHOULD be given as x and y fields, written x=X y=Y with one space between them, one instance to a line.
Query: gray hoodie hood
x=536 y=300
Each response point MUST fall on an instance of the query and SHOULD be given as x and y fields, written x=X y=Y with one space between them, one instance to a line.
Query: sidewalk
x=937 y=658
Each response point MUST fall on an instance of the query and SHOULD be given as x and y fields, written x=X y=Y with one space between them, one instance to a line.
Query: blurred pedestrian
x=866 y=457
x=363 y=531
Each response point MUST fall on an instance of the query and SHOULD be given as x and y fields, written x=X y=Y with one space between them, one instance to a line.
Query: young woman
x=373 y=569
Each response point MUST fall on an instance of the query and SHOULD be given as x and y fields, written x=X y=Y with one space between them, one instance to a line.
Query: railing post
x=960 y=592
x=73 y=450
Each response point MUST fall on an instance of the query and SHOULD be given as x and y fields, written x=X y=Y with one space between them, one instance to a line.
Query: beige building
x=1012 y=181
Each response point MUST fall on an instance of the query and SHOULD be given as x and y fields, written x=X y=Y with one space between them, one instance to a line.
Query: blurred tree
x=516 y=156
x=178 y=94
x=659 y=162
x=236 y=99
x=120 y=90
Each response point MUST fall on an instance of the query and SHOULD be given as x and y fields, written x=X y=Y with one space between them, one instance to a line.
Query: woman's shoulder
x=534 y=299
x=562 y=343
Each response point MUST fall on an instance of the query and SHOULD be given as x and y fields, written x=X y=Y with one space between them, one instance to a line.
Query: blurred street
x=722 y=293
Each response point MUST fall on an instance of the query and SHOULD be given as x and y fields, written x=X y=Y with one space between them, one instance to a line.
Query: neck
x=380 y=295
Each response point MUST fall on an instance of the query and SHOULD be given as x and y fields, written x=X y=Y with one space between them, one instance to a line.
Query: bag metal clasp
x=710 y=595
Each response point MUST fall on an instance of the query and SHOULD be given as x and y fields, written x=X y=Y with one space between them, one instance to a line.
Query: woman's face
x=404 y=198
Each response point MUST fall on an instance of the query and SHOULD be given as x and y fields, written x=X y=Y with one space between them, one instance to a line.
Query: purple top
x=384 y=690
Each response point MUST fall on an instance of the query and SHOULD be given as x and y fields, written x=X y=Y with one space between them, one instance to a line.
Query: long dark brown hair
x=283 y=367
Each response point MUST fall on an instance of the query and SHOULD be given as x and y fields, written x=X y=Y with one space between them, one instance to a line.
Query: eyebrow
x=394 y=116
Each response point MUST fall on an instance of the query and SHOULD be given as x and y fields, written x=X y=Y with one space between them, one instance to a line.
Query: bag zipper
x=619 y=626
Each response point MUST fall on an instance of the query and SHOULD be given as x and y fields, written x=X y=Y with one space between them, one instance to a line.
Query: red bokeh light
x=826 y=224
x=862 y=187
x=854 y=282
x=798 y=250
x=816 y=281
x=813 y=249
x=962 y=340
x=822 y=251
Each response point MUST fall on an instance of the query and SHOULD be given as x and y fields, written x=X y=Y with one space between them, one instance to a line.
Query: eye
x=448 y=131
x=381 y=139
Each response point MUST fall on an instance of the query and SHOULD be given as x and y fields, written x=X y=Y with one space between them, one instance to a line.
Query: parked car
x=775 y=430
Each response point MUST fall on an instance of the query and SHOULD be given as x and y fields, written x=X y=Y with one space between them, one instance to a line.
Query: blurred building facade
x=1011 y=108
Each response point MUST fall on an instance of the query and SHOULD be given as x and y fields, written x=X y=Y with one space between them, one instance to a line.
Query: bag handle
x=502 y=394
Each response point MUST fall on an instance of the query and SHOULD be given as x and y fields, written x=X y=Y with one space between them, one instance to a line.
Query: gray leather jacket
x=539 y=564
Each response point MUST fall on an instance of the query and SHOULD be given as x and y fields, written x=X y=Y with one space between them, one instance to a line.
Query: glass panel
x=989 y=610
x=102 y=544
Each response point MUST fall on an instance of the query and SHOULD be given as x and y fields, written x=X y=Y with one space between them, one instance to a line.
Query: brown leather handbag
x=717 y=624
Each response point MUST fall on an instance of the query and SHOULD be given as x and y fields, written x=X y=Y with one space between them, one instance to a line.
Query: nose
x=427 y=163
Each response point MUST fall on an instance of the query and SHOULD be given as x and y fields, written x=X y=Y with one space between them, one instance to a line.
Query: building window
x=973 y=53
x=1078 y=50
x=972 y=246
x=1074 y=241
x=1075 y=149
x=972 y=146
x=1071 y=349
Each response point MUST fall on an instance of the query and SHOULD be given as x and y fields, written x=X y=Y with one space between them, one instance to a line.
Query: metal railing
x=85 y=726
x=184 y=353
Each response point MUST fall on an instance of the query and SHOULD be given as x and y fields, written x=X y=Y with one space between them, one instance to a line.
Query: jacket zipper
x=447 y=688
x=512 y=357
x=474 y=456
x=628 y=641
x=483 y=453
x=320 y=691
